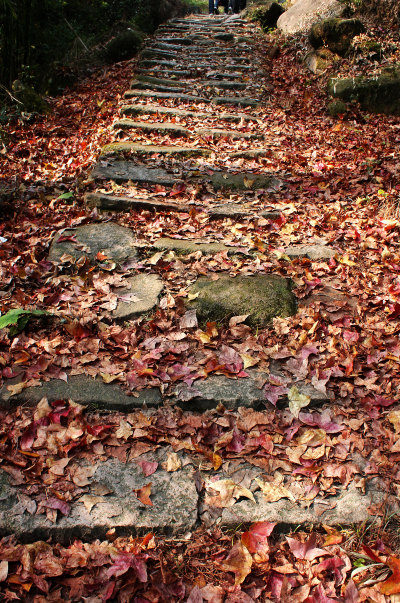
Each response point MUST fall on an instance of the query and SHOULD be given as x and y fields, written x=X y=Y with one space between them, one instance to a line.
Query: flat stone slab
x=261 y=297
x=150 y=149
x=225 y=84
x=123 y=171
x=175 y=130
x=312 y=252
x=117 y=242
x=186 y=246
x=107 y=202
x=173 y=510
x=181 y=41
x=168 y=73
x=170 y=95
x=235 y=100
x=229 y=210
x=348 y=507
x=84 y=390
x=149 y=109
x=206 y=394
x=156 y=63
x=138 y=297
x=242 y=182
x=138 y=85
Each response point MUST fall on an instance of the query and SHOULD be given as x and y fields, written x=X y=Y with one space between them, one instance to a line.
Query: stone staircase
x=209 y=67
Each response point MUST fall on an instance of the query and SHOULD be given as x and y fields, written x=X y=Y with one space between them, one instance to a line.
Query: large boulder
x=267 y=15
x=261 y=297
x=335 y=34
x=319 y=60
x=123 y=46
x=378 y=94
x=300 y=17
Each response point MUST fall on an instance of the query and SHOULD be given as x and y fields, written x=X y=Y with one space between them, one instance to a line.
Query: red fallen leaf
x=306 y=550
x=148 y=467
x=391 y=586
x=371 y=554
x=144 y=493
x=332 y=537
x=394 y=310
x=177 y=189
x=75 y=329
x=101 y=256
x=28 y=437
x=65 y=238
x=319 y=596
x=57 y=504
x=255 y=539
x=382 y=401
x=96 y=430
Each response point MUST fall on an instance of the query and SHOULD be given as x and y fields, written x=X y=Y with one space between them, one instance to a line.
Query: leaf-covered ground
x=343 y=190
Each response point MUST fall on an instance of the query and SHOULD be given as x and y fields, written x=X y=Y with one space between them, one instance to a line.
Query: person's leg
x=211 y=7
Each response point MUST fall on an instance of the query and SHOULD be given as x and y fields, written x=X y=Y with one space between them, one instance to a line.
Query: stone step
x=154 y=83
x=218 y=100
x=158 y=80
x=123 y=171
x=171 y=111
x=245 y=181
x=174 y=129
x=115 y=148
x=225 y=84
x=106 y=202
x=187 y=246
x=138 y=85
x=167 y=73
x=180 y=41
x=167 y=95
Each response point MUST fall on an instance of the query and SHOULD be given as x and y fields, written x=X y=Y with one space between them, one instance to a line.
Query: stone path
x=209 y=67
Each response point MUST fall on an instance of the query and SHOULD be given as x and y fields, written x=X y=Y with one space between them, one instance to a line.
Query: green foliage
x=17 y=319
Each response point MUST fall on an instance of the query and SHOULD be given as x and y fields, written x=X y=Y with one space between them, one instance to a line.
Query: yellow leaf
x=229 y=491
x=173 y=462
x=346 y=260
x=248 y=360
x=90 y=501
x=248 y=182
x=297 y=401
x=274 y=492
x=239 y=561
x=394 y=418
x=124 y=431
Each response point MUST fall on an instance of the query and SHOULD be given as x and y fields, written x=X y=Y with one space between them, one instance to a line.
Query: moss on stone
x=262 y=297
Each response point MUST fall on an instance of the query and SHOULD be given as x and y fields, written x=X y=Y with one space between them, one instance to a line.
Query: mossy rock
x=337 y=108
x=123 y=46
x=379 y=94
x=335 y=34
x=262 y=297
x=267 y=15
x=317 y=61
x=367 y=47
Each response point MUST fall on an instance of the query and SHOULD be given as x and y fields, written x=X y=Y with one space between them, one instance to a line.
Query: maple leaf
x=306 y=550
x=256 y=540
x=391 y=586
x=228 y=491
x=144 y=493
x=297 y=401
x=239 y=561
x=274 y=491
x=148 y=467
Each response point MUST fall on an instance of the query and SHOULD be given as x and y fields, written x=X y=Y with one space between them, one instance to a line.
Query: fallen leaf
x=391 y=586
x=148 y=467
x=239 y=561
x=229 y=492
x=90 y=501
x=306 y=550
x=144 y=494
x=274 y=492
x=297 y=401
x=173 y=462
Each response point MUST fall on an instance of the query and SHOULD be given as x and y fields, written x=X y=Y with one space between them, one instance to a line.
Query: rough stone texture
x=161 y=81
x=150 y=149
x=379 y=94
x=300 y=17
x=115 y=241
x=84 y=390
x=157 y=63
x=140 y=296
x=335 y=34
x=169 y=95
x=122 y=171
x=225 y=37
x=186 y=246
x=145 y=126
x=261 y=297
x=267 y=15
x=225 y=84
x=251 y=154
x=123 y=46
x=107 y=202
x=137 y=85
x=227 y=180
x=229 y=210
x=313 y=252
x=319 y=60
x=234 y=100
x=206 y=394
x=181 y=41
x=173 y=495
x=350 y=506
x=168 y=73
x=150 y=109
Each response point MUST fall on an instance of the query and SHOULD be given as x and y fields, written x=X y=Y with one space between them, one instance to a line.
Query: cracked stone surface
x=186 y=246
x=261 y=297
x=84 y=390
x=312 y=252
x=122 y=171
x=173 y=494
x=149 y=109
x=227 y=180
x=117 y=242
x=150 y=149
x=138 y=297
x=107 y=202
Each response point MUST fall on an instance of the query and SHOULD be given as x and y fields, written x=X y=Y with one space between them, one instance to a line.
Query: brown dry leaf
x=239 y=561
x=90 y=501
x=297 y=401
x=3 y=570
x=107 y=378
x=80 y=475
x=229 y=491
x=312 y=437
x=124 y=431
x=17 y=388
x=144 y=494
x=294 y=454
x=173 y=462
x=274 y=492
x=57 y=468
x=248 y=361
x=314 y=453
x=248 y=182
x=394 y=418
